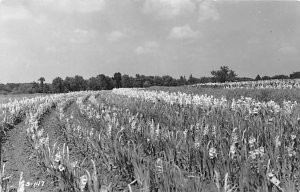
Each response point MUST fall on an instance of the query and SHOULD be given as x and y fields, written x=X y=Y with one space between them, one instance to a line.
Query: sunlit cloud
x=148 y=47
x=115 y=36
x=8 y=13
x=168 y=8
x=183 y=32
x=70 y=6
x=207 y=11
x=81 y=36
x=288 y=50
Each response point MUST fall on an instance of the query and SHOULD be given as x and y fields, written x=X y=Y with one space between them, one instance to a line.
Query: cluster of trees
x=103 y=82
x=100 y=82
x=295 y=75
x=225 y=74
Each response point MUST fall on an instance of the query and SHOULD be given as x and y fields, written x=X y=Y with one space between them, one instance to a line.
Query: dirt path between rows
x=18 y=157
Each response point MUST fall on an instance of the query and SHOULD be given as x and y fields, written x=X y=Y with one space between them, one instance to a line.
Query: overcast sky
x=53 y=38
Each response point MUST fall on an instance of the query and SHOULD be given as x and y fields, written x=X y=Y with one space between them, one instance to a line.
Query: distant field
x=277 y=95
x=5 y=98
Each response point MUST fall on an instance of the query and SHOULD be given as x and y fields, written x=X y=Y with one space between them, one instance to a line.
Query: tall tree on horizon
x=257 y=78
x=118 y=79
x=58 y=85
x=224 y=74
x=41 y=80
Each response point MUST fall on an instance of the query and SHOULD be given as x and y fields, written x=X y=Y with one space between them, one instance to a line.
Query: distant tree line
x=295 y=75
x=100 y=82
x=103 y=82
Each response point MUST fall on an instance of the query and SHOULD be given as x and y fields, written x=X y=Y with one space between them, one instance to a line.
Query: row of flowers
x=115 y=136
x=243 y=142
x=246 y=104
x=32 y=111
x=262 y=84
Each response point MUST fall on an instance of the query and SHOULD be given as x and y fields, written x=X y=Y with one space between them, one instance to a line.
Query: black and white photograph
x=149 y=95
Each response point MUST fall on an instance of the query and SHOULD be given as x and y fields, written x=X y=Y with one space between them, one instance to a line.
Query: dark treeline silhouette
x=295 y=75
x=100 y=82
x=118 y=80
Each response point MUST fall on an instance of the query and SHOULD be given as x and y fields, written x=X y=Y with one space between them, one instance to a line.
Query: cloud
x=55 y=49
x=17 y=10
x=8 y=13
x=148 y=47
x=7 y=42
x=71 y=6
x=168 y=8
x=288 y=50
x=115 y=36
x=81 y=36
x=207 y=11
x=182 y=32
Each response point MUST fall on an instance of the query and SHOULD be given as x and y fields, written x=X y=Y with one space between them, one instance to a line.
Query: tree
x=295 y=75
x=118 y=79
x=41 y=87
x=78 y=83
x=105 y=82
x=205 y=79
x=265 y=78
x=46 y=88
x=192 y=80
x=138 y=81
x=67 y=84
x=146 y=84
x=224 y=74
x=35 y=87
x=127 y=81
x=58 y=85
x=280 y=77
x=41 y=80
x=257 y=78
x=166 y=79
x=93 y=84
x=158 y=81
x=182 y=80
x=243 y=79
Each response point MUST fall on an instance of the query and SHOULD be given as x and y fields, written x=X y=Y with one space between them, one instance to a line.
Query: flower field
x=147 y=140
x=262 y=84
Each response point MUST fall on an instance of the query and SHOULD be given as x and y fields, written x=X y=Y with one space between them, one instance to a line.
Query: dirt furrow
x=18 y=156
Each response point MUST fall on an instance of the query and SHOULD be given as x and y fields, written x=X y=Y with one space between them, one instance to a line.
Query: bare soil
x=18 y=157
